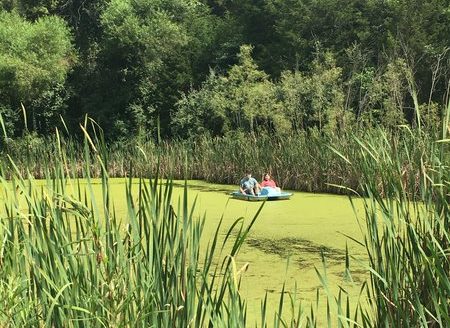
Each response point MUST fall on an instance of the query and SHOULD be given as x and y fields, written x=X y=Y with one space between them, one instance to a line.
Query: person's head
x=248 y=174
x=266 y=176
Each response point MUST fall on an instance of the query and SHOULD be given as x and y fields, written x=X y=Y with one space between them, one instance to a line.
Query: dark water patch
x=303 y=251
x=307 y=254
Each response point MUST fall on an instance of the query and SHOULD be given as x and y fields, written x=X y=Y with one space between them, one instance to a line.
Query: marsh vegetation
x=71 y=256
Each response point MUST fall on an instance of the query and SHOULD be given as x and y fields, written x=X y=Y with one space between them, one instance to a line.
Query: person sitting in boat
x=249 y=185
x=268 y=182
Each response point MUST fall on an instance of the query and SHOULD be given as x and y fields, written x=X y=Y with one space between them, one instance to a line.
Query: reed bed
x=407 y=239
x=309 y=162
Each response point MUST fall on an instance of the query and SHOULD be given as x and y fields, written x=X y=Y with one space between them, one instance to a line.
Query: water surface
x=285 y=243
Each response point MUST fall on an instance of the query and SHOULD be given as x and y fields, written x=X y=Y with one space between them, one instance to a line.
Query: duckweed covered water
x=285 y=243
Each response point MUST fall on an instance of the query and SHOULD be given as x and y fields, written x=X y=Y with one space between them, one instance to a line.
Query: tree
x=149 y=51
x=35 y=59
x=336 y=24
x=315 y=99
x=244 y=99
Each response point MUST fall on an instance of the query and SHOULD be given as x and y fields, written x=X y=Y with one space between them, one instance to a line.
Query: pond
x=284 y=245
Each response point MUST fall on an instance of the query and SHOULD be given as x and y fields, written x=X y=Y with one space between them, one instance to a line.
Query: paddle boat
x=267 y=193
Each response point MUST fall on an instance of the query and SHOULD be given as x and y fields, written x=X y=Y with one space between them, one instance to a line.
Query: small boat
x=267 y=193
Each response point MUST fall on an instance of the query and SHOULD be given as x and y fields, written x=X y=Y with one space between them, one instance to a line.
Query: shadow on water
x=304 y=252
x=289 y=247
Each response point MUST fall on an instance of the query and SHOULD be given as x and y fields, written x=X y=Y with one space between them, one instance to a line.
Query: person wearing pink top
x=268 y=182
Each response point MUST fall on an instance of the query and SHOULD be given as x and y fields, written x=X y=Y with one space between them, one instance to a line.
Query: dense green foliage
x=35 y=59
x=184 y=67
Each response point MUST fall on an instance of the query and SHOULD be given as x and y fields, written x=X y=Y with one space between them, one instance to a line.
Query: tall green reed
x=407 y=236
x=306 y=161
